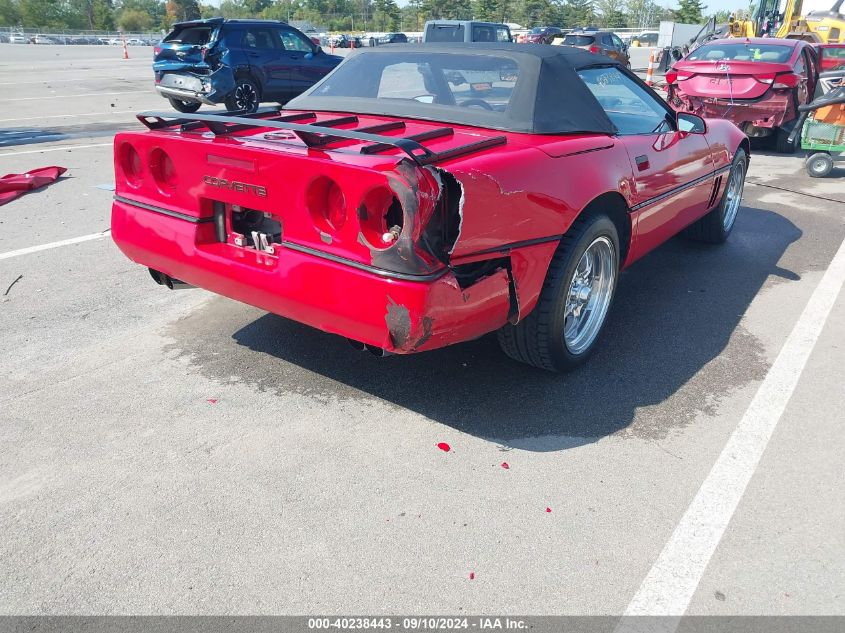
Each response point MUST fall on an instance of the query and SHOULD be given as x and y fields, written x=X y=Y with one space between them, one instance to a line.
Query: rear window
x=484 y=82
x=482 y=33
x=445 y=33
x=742 y=52
x=578 y=40
x=194 y=35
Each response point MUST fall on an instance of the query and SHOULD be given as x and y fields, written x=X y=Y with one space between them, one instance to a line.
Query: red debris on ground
x=443 y=446
x=472 y=575
x=212 y=401
x=15 y=185
x=505 y=465
x=548 y=509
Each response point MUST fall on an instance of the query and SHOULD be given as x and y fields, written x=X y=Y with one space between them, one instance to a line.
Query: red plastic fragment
x=212 y=401
x=443 y=446
x=505 y=465
x=472 y=575
x=15 y=185
x=548 y=509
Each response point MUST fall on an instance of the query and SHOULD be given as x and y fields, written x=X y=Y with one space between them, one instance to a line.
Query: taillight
x=130 y=162
x=787 y=80
x=381 y=218
x=595 y=49
x=674 y=76
x=326 y=203
x=671 y=77
x=156 y=50
x=163 y=170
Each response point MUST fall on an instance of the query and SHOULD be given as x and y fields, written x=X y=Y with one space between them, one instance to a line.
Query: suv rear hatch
x=186 y=45
x=586 y=42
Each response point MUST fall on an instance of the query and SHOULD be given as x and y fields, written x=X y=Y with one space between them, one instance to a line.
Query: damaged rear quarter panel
x=510 y=201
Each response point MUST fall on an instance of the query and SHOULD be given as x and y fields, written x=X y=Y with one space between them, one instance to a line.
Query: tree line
x=343 y=15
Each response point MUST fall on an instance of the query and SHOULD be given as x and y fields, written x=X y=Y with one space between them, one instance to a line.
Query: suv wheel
x=245 y=97
x=188 y=107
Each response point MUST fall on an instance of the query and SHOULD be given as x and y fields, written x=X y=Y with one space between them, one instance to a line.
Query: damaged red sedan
x=757 y=83
x=422 y=196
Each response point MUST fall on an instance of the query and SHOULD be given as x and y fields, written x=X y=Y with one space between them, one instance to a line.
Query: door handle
x=642 y=162
x=253 y=54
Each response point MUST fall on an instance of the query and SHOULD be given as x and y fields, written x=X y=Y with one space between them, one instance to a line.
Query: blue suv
x=236 y=62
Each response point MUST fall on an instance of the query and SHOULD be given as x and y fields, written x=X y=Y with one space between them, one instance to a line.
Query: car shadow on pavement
x=674 y=321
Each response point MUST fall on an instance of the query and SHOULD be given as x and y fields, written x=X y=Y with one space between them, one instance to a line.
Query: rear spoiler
x=322 y=134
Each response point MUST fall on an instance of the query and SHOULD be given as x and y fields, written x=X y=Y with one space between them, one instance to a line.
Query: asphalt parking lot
x=175 y=452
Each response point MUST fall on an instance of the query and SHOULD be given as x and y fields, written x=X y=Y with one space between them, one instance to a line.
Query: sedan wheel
x=562 y=330
x=188 y=107
x=245 y=97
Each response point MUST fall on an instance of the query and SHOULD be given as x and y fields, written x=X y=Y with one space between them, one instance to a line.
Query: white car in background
x=17 y=38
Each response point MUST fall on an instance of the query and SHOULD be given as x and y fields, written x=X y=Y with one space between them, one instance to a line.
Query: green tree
x=9 y=13
x=135 y=21
x=386 y=15
x=689 y=12
x=42 y=14
x=577 y=13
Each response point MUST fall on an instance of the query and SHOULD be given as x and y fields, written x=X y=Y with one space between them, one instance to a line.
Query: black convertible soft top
x=548 y=98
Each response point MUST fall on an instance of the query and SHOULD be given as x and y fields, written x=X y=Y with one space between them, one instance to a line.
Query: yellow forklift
x=827 y=27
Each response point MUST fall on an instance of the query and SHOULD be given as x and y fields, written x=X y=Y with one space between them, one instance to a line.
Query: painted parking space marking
x=87 y=94
x=672 y=581
x=68 y=116
x=56 y=149
x=45 y=247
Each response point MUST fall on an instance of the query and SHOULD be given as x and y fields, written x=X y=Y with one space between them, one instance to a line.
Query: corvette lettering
x=236 y=185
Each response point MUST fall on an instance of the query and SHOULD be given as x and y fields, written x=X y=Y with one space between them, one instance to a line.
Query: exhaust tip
x=165 y=280
x=379 y=352
x=356 y=345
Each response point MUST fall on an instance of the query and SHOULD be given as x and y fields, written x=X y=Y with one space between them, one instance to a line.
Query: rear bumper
x=367 y=305
x=184 y=95
x=771 y=112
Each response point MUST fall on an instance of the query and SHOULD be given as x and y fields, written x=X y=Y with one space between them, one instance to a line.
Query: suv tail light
x=156 y=51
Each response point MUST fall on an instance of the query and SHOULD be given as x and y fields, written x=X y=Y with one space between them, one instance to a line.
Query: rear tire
x=188 y=107
x=246 y=96
x=819 y=165
x=575 y=294
x=715 y=227
x=782 y=144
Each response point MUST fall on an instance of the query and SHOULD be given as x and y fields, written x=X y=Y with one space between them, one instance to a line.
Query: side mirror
x=691 y=123
x=309 y=55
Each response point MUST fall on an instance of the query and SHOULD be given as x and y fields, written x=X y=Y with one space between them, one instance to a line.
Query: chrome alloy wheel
x=590 y=292
x=733 y=195
x=245 y=97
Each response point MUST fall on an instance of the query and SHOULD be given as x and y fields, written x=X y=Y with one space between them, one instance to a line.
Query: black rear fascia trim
x=163 y=211
x=381 y=272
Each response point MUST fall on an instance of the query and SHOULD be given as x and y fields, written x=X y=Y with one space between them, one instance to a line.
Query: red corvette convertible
x=420 y=196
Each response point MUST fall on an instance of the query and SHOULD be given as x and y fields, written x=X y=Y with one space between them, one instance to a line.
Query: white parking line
x=672 y=581
x=87 y=94
x=65 y=116
x=45 y=247
x=55 y=149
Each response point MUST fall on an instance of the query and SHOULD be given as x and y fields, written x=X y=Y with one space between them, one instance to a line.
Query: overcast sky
x=712 y=5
